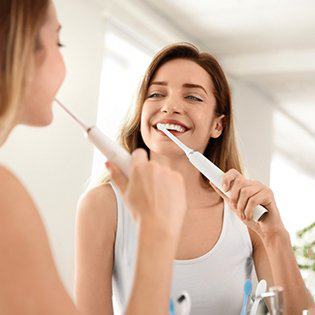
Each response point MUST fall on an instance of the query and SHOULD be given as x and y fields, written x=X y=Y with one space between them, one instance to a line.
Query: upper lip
x=171 y=121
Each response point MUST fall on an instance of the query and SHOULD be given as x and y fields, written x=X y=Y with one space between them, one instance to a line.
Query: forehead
x=51 y=17
x=180 y=71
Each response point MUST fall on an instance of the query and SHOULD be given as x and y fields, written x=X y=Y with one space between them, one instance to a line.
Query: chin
x=46 y=120
x=40 y=121
x=166 y=149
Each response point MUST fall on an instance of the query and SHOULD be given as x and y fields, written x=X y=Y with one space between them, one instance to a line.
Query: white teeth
x=173 y=127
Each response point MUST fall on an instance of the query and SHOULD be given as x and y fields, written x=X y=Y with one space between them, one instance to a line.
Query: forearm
x=286 y=273
x=153 y=274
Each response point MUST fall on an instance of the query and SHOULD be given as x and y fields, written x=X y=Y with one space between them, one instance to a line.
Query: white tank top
x=214 y=281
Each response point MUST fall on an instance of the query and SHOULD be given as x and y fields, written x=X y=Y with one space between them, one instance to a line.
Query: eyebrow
x=186 y=85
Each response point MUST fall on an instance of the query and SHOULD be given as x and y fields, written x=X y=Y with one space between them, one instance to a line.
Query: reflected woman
x=186 y=90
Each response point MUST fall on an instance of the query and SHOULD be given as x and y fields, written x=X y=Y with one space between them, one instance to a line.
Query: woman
x=187 y=91
x=32 y=70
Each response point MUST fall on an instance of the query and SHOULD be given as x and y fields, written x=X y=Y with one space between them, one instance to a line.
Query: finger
x=117 y=176
x=228 y=178
x=255 y=200
x=245 y=194
x=236 y=186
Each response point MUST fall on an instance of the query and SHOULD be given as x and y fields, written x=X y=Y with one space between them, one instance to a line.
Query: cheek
x=147 y=116
x=42 y=90
x=56 y=71
x=201 y=118
x=50 y=75
x=145 y=121
x=203 y=121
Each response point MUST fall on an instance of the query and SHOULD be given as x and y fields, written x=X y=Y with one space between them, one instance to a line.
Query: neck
x=198 y=195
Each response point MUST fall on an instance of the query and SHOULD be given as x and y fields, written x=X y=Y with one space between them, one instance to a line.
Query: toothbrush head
x=261 y=288
x=174 y=139
x=160 y=127
x=183 y=304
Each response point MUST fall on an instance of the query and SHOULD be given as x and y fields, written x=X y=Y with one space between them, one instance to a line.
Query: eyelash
x=191 y=97
x=61 y=45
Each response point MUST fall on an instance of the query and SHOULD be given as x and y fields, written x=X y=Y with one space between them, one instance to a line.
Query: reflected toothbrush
x=110 y=149
x=247 y=291
x=183 y=304
x=208 y=169
x=260 y=289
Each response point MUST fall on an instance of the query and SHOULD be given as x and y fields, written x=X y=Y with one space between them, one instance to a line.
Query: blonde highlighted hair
x=221 y=151
x=20 y=24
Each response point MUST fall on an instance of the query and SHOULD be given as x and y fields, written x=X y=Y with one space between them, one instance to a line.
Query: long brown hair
x=221 y=151
x=20 y=24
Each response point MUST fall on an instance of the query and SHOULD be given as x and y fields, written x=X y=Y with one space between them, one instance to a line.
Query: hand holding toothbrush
x=154 y=193
x=245 y=195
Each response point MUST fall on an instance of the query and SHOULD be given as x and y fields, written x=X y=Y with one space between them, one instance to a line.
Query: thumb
x=117 y=176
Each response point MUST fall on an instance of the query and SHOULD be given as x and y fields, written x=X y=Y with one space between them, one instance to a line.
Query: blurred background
x=267 y=49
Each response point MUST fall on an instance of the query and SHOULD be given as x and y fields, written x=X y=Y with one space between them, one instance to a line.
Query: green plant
x=305 y=250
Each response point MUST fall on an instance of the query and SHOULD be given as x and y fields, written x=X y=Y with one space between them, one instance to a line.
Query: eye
x=194 y=98
x=155 y=95
x=61 y=45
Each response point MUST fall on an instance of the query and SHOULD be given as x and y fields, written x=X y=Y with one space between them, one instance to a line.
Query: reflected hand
x=245 y=195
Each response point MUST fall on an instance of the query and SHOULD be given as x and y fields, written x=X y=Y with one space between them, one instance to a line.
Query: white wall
x=254 y=125
x=56 y=161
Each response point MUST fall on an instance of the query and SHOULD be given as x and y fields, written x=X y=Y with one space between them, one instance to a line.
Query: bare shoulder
x=18 y=212
x=13 y=194
x=7 y=179
x=24 y=243
x=97 y=207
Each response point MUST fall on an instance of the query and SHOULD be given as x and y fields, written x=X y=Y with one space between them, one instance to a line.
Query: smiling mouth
x=173 y=128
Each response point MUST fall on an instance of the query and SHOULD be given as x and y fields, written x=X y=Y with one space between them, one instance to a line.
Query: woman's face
x=180 y=94
x=47 y=77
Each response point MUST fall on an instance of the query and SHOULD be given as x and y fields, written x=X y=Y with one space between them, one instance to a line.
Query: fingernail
x=107 y=164
x=224 y=187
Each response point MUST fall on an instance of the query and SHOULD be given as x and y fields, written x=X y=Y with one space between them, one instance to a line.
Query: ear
x=217 y=126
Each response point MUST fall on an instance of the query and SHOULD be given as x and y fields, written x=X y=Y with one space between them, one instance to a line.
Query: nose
x=172 y=107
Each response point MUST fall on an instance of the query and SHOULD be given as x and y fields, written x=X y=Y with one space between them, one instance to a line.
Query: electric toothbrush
x=183 y=304
x=260 y=289
x=113 y=151
x=247 y=291
x=208 y=169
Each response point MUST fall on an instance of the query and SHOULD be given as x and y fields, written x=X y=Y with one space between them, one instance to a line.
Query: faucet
x=275 y=295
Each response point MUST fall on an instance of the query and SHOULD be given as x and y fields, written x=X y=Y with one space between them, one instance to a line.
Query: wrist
x=276 y=236
x=153 y=244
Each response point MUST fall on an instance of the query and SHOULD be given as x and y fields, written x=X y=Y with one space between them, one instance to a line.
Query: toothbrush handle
x=254 y=308
x=214 y=174
x=112 y=151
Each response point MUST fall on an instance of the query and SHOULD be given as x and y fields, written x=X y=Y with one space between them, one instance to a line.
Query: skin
x=193 y=107
x=32 y=283
x=48 y=75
